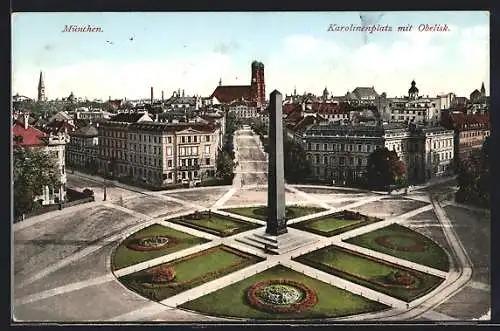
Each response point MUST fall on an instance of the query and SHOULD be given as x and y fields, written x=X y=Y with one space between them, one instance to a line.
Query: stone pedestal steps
x=276 y=244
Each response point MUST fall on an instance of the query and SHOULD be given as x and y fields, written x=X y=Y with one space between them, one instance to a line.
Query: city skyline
x=297 y=50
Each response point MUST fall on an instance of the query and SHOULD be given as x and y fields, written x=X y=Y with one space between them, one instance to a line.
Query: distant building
x=256 y=91
x=26 y=136
x=470 y=132
x=41 y=89
x=243 y=109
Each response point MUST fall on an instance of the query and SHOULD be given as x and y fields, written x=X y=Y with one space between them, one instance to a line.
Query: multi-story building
x=340 y=152
x=413 y=108
x=82 y=150
x=25 y=136
x=243 y=109
x=470 y=131
x=113 y=160
x=159 y=153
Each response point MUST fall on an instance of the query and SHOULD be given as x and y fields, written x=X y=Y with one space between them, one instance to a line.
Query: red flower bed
x=135 y=244
x=309 y=300
x=162 y=274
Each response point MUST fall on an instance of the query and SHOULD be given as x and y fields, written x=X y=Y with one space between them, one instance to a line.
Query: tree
x=225 y=165
x=297 y=167
x=33 y=171
x=384 y=168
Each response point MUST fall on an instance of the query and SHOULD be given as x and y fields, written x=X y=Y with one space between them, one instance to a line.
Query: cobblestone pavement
x=62 y=259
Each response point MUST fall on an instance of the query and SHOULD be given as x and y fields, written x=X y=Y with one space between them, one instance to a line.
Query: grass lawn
x=192 y=271
x=259 y=212
x=368 y=272
x=331 y=225
x=332 y=301
x=216 y=224
x=433 y=255
x=124 y=256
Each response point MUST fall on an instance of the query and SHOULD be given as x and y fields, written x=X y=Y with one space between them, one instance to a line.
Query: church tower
x=257 y=86
x=41 y=89
x=413 y=91
x=483 y=90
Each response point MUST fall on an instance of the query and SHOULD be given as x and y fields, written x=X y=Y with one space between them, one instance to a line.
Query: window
x=351 y=160
x=183 y=162
x=183 y=139
x=194 y=150
x=195 y=139
x=169 y=162
x=342 y=147
x=195 y=162
x=360 y=161
x=207 y=139
x=317 y=159
x=182 y=151
x=169 y=151
x=207 y=149
x=154 y=139
x=317 y=147
x=341 y=160
x=325 y=147
x=359 y=148
x=189 y=139
x=207 y=161
x=189 y=162
x=169 y=140
x=309 y=146
x=325 y=159
x=195 y=174
x=169 y=175
x=368 y=148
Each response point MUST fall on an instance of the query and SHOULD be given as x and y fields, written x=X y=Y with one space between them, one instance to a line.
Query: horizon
x=193 y=51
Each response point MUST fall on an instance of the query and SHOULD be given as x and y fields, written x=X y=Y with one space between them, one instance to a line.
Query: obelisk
x=276 y=221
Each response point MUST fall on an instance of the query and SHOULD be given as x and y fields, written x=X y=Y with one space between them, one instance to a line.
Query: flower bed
x=162 y=274
x=281 y=296
x=418 y=246
x=150 y=243
x=402 y=278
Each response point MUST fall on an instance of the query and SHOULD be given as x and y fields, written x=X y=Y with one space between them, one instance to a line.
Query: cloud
x=453 y=61
x=226 y=48
x=197 y=74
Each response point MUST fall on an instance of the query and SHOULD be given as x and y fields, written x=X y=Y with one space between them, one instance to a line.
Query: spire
x=41 y=88
x=220 y=81
x=483 y=90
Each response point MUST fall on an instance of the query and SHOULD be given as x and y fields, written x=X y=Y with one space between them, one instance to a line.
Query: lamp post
x=104 y=191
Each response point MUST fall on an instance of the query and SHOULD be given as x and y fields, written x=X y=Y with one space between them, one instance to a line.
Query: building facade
x=82 y=150
x=339 y=153
x=159 y=154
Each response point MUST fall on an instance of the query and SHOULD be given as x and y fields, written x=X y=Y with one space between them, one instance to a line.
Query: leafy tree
x=33 y=170
x=297 y=167
x=384 y=168
x=225 y=165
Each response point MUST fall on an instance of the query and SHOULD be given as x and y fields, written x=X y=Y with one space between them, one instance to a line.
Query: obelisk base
x=275 y=228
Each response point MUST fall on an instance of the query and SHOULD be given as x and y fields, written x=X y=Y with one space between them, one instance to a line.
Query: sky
x=192 y=51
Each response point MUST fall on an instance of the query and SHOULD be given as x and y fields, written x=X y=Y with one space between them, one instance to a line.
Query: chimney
x=151 y=94
x=26 y=120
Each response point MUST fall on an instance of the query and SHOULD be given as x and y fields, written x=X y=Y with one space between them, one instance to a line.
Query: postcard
x=251 y=167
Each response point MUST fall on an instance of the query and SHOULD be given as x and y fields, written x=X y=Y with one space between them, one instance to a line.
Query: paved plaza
x=62 y=260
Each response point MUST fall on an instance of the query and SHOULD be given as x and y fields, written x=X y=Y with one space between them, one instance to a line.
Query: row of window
x=443 y=143
x=331 y=160
x=341 y=147
x=152 y=138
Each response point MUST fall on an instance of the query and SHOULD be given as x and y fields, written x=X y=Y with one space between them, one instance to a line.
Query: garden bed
x=373 y=273
x=324 y=300
x=190 y=271
x=334 y=224
x=404 y=243
x=129 y=253
x=216 y=224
